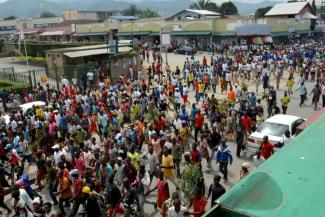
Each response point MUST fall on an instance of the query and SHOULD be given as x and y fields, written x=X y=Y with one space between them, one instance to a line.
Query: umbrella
x=257 y=40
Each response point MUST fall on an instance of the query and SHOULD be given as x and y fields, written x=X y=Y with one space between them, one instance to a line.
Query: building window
x=179 y=18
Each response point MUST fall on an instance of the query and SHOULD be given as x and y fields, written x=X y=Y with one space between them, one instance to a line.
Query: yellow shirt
x=290 y=83
x=39 y=112
x=167 y=162
x=201 y=88
x=285 y=101
x=190 y=77
x=135 y=158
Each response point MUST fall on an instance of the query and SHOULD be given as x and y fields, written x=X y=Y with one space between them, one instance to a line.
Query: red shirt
x=199 y=205
x=199 y=121
x=77 y=186
x=247 y=122
x=160 y=124
x=266 y=150
x=196 y=157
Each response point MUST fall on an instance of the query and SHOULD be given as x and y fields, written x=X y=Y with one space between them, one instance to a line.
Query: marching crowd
x=108 y=145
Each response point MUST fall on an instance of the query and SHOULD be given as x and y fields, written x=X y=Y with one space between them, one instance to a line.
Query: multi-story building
x=99 y=16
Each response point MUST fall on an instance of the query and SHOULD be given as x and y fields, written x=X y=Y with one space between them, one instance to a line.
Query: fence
x=29 y=78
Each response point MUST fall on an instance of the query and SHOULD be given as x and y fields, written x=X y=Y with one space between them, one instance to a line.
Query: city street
x=234 y=169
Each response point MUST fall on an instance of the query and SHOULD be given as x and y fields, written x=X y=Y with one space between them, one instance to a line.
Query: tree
x=313 y=5
x=10 y=18
x=149 y=13
x=205 y=5
x=47 y=14
x=262 y=11
x=228 y=8
x=132 y=10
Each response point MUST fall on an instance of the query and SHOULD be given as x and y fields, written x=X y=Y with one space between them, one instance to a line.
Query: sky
x=217 y=1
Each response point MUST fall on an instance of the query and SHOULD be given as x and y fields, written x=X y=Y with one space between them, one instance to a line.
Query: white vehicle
x=27 y=106
x=273 y=127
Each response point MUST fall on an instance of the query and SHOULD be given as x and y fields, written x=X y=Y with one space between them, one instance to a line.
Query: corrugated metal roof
x=253 y=29
x=124 y=17
x=176 y=33
x=93 y=52
x=90 y=34
x=54 y=33
x=224 y=34
x=132 y=33
x=308 y=15
x=290 y=8
x=203 y=12
x=289 y=183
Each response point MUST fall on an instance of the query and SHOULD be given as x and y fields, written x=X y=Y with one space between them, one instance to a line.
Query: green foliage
x=33 y=59
x=47 y=14
x=149 y=13
x=313 y=5
x=190 y=179
x=10 y=18
x=6 y=86
x=132 y=10
x=205 y=5
x=262 y=11
x=38 y=48
x=228 y=8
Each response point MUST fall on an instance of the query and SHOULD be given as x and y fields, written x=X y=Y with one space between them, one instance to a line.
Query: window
x=272 y=129
x=295 y=125
x=179 y=18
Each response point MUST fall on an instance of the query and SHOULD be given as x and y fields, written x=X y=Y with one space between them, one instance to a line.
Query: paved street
x=19 y=66
x=294 y=109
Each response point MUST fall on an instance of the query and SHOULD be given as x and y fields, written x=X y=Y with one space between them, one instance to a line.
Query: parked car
x=27 y=106
x=187 y=50
x=273 y=127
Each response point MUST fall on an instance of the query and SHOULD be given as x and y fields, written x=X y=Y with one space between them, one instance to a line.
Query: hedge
x=6 y=86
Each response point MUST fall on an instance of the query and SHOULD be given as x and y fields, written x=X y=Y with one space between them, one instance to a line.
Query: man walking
x=285 y=100
x=303 y=93
x=223 y=158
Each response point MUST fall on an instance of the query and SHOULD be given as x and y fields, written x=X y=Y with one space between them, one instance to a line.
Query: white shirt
x=173 y=213
x=152 y=161
x=177 y=123
x=87 y=156
x=258 y=162
x=57 y=155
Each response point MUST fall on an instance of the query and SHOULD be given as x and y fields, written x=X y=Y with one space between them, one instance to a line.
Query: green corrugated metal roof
x=304 y=31
x=277 y=34
x=181 y=33
x=224 y=34
x=290 y=183
x=132 y=33
x=155 y=33
x=90 y=33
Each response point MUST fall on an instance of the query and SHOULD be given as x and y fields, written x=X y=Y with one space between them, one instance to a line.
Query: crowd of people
x=107 y=146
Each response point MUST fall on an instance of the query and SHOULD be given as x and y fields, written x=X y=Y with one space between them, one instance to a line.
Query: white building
x=189 y=14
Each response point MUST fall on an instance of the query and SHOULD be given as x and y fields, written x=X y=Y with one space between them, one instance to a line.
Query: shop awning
x=279 y=34
x=304 y=31
x=90 y=34
x=155 y=33
x=253 y=29
x=185 y=33
x=52 y=33
x=132 y=33
x=221 y=34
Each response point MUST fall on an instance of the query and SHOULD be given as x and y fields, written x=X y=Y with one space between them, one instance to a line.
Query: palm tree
x=200 y=4
x=205 y=5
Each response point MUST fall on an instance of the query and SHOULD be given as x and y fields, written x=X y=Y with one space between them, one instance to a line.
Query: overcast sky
x=217 y=1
